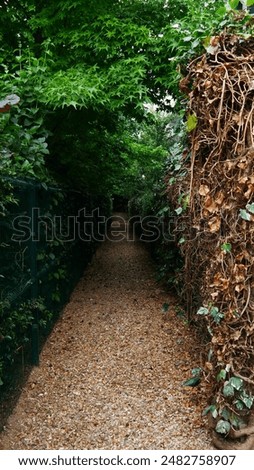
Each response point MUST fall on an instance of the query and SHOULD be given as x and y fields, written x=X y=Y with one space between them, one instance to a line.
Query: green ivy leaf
x=179 y=210
x=247 y=400
x=239 y=405
x=196 y=371
x=225 y=414
x=233 y=4
x=214 y=311
x=221 y=375
x=228 y=390
x=177 y=167
x=202 y=311
x=226 y=247
x=211 y=409
x=206 y=41
x=244 y=215
x=192 y=382
x=249 y=3
x=236 y=382
x=221 y=10
x=192 y=122
x=165 y=307
x=223 y=427
x=250 y=207
x=217 y=316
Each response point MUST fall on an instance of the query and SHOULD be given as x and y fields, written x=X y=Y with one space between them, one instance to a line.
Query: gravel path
x=111 y=371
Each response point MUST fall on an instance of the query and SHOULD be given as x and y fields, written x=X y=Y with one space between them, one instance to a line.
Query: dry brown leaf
x=203 y=190
x=214 y=224
x=249 y=192
x=243 y=179
x=242 y=165
x=229 y=164
x=229 y=205
x=239 y=287
x=210 y=205
x=238 y=190
x=240 y=271
x=236 y=335
x=220 y=281
x=219 y=198
x=214 y=295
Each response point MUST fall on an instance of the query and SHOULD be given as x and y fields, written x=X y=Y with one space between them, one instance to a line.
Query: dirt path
x=110 y=373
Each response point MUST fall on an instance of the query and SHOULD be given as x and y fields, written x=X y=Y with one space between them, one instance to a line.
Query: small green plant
x=211 y=311
x=226 y=247
x=195 y=378
x=165 y=307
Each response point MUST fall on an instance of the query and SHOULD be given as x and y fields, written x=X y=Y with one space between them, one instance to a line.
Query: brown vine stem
x=221 y=102
x=193 y=157
x=247 y=301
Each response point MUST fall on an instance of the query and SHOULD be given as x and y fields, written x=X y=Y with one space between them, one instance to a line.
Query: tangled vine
x=217 y=227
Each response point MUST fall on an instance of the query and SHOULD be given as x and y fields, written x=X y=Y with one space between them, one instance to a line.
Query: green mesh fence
x=44 y=248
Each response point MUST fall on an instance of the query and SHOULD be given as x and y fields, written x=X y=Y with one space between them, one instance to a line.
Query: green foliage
x=23 y=136
x=222 y=375
x=78 y=69
x=146 y=153
x=234 y=390
x=244 y=215
x=165 y=307
x=195 y=379
x=212 y=409
x=192 y=122
x=14 y=329
x=214 y=312
x=233 y=3
x=244 y=400
x=223 y=427
x=123 y=40
x=192 y=382
x=226 y=247
x=250 y=208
